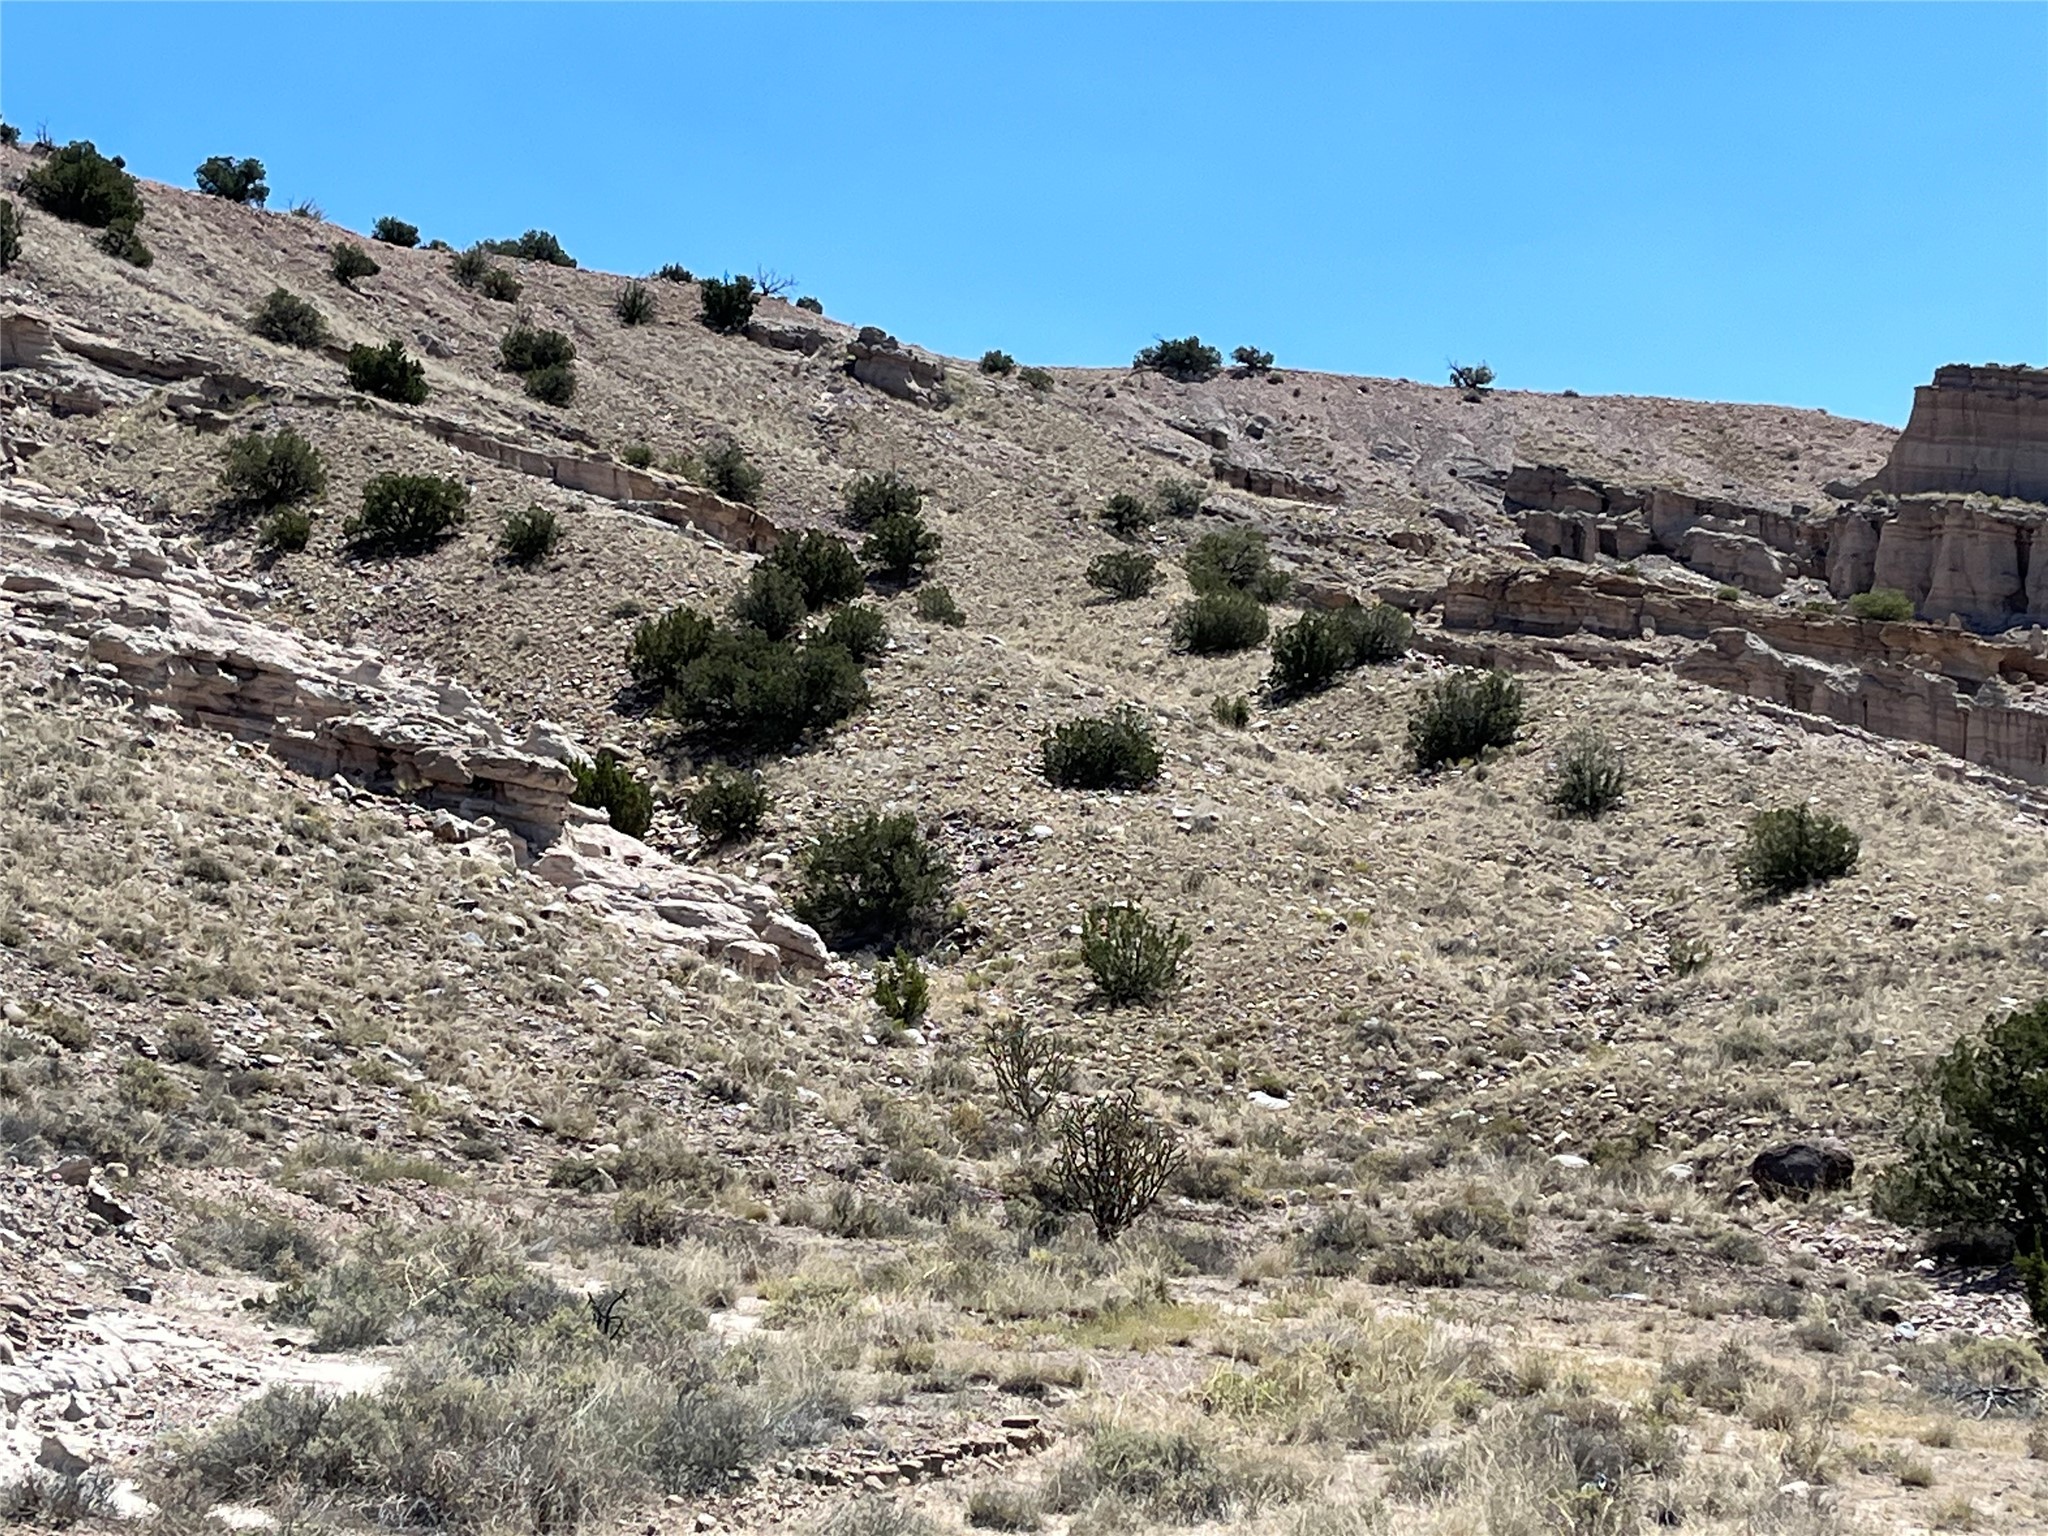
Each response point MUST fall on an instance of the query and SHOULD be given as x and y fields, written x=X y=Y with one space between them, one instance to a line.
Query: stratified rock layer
x=1975 y=428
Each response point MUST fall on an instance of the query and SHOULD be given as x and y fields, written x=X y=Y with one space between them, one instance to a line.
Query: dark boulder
x=1801 y=1167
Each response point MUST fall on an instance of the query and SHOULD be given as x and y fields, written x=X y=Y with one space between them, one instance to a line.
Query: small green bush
x=10 y=234
x=1219 y=623
x=350 y=262
x=500 y=286
x=674 y=272
x=1113 y=1161
x=608 y=785
x=995 y=362
x=873 y=881
x=1132 y=958
x=728 y=806
x=387 y=372
x=1125 y=515
x=406 y=514
x=264 y=471
x=825 y=567
x=1234 y=711
x=1113 y=751
x=900 y=548
x=534 y=245
x=523 y=349
x=529 y=535
x=1793 y=847
x=1379 y=633
x=875 y=495
x=634 y=305
x=239 y=181
x=10 y=135
x=1252 y=360
x=80 y=185
x=554 y=385
x=935 y=605
x=747 y=693
x=1474 y=379
x=1036 y=379
x=289 y=320
x=1179 y=498
x=1124 y=574
x=1466 y=714
x=306 y=208
x=772 y=602
x=726 y=304
x=728 y=472
x=392 y=231
x=123 y=243
x=902 y=990
x=1310 y=654
x=861 y=631
x=811 y=306
x=1587 y=774
x=1238 y=559
x=1185 y=359
x=468 y=267
x=664 y=646
x=287 y=532
x=637 y=456
x=1887 y=604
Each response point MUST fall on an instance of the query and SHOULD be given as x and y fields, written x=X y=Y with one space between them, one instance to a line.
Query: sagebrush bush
x=1474 y=378
x=80 y=185
x=1132 y=958
x=728 y=806
x=772 y=601
x=1123 y=574
x=900 y=548
x=997 y=362
x=634 y=305
x=124 y=243
x=350 y=262
x=861 y=631
x=874 y=882
x=10 y=234
x=1232 y=710
x=553 y=385
x=637 y=456
x=468 y=267
x=746 y=693
x=1126 y=515
x=287 y=532
x=1218 y=623
x=395 y=232
x=1252 y=360
x=663 y=646
x=1793 y=847
x=286 y=318
x=727 y=303
x=1237 y=559
x=607 y=784
x=500 y=286
x=387 y=372
x=1887 y=604
x=674 y=272
x=1037 y=379
x=1179 y=498
x=824 y=566
x=902 y=990
x=1379 y=633
x=406 y=514
x=1466 y=714
x=526 y=349
x=1114 y=1159
x=935 y=605
x=239 y=181
x=811 y=306
x=529 y=535
x=1185 y=358
x=878 y=494
x=1310 y=654
x=1587 y=774
x=730 y=473
x=534 y=245
x=267 y=470
x=1113 y=751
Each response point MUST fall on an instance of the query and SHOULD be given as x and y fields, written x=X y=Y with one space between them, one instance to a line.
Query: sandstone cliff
x=1975 y=429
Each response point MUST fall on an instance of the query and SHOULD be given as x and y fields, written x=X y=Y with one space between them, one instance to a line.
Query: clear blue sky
x=1806 y=204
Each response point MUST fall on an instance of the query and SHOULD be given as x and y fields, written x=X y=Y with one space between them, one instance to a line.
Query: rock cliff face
x=1975 y=429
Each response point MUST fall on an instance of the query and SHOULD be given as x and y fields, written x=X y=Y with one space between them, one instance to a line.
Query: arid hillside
x=389 y=1141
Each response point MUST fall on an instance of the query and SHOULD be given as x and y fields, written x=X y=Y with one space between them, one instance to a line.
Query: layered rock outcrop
x=882 y=362
x=1975 y=428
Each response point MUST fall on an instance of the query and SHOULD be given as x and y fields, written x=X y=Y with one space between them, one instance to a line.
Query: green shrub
x=1379 y=633
x=1113 y=751
x=728 y=472
x=1793 y=847
x=10 y=234
x=1132 y=958
x=306 y=208
x=387 y=372
x=728 y=806
x=1310 y=654
x=1587 y=775
x=935 y=605
x=674 y=272
x=1218 y=623
x=636 y=456
x=874 y=882
x=824 y=566
x=1030 y=1066
x=1179 y=498
x=1237 y=559
x=501 y=286
x=406 y=514
x=727 y=304
x=606 y=784
x=1234 y=711
x=748 y=693
x=1036 y=379
x=1888 y=604
x=350 y=262
x=534 y=245
x=811 y=306
x=80 y=185
x=995 y=362
x=875 y=495
x=121 y=242
x=1977 y=1145
x=1473 y=379
x=395 y=232
x=10 y=135
x=772 y=602
x=239 y=181
x=634 y=305
x=1003 y=1507
x=1123 y=574
x=265 y=471
x=1125 y=515
x=468 y=267
x=902 y=990
x=287 y=533
x=1252 y=360
x=286 y=318
x=900 y=548
x=554 y=385
x=523 y=349
x=859 y=630
x=1464 y=715
x=1186 y=359
x=663 y=647
x=1114 y=1159
x=529 y=535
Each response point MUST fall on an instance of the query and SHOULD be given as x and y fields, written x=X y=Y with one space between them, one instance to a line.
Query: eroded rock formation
x=882 y=362
x=1975 y=428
